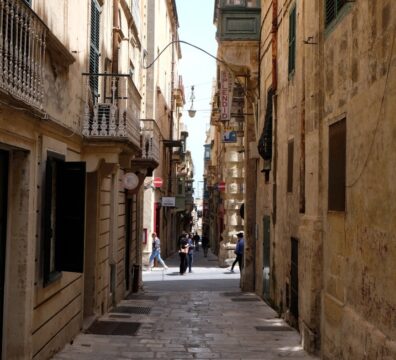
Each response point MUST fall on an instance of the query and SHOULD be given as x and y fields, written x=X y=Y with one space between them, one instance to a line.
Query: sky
x=197 y=69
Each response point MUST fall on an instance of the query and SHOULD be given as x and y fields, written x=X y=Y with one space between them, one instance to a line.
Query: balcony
x=238 y=19
x=178 y=93
x=150 y=136
x=22 y=52
x=114 y=114
x=149 y=156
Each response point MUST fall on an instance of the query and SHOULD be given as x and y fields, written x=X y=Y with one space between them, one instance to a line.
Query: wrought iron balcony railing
x=22 y=52
x=150 y=137
x=113 y=115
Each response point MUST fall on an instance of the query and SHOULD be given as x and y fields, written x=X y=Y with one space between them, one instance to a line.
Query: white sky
x=198 y=69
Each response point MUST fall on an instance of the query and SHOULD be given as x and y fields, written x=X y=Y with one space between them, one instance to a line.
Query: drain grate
x=131 y=310
x=273 y=328
x=142 y=297
x=119 y=316
x=242 y=299
x=232 y=294
x=113 y=328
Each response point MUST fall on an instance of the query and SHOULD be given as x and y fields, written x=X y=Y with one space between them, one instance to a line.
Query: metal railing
x=112 y=114
x=22 y=52
x=150 y=137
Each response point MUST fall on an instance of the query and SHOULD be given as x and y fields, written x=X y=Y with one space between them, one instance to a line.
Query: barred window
x=332 y=9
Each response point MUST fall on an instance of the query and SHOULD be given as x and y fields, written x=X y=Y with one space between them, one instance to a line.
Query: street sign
x=169 y=201
x=157 y=182
x=221 y=186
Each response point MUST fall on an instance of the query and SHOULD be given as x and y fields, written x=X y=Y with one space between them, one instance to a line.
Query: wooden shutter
x=70 y=216
x=47 y=227
x=292 y=40
x=94 y=47
x=337 y=166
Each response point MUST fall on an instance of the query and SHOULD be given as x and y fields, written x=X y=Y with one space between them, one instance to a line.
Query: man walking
x=239 y=252
x=156 y=252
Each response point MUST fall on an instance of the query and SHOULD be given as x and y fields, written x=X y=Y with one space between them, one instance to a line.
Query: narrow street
x=201 y=315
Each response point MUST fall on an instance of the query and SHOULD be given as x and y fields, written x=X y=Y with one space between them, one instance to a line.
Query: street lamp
x=192 y=112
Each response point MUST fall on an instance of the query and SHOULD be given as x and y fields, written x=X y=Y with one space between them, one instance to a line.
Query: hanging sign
x=168 y=201
x=229 y=136
x=225 y=95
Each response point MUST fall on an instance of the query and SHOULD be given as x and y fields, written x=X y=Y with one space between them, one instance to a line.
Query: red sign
x=221 y=186
x=157 y=182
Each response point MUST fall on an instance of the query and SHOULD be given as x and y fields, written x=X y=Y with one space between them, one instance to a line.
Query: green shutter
x=70 y=216
x=292 y=41
x=94 y=47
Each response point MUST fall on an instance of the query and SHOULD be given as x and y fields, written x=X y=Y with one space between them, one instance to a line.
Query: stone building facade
x=325 y=235
x=164 y=99
x=318 y=216
x=73 y=157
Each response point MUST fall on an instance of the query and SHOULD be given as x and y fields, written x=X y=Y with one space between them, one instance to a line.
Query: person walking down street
x=205 y=245
x=156 y=252
x=196 y=239
x=239 y=252
x=190 y=254
x=183 y=251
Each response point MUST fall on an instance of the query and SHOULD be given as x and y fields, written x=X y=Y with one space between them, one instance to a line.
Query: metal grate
x=273 y=328
x=231 y=294
x=119 y=316
x=113 y=328
x=142 y=297
x=131 y=310
x=241 y=299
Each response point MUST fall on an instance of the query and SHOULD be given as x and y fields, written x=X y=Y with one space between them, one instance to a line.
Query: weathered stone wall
x=359 y=245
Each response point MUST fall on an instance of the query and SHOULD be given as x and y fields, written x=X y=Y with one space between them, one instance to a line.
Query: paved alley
x=201 y=315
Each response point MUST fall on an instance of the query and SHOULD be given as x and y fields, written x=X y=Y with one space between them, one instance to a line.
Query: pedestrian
x=196 y=239
x=156 y=252
x=190 y=254
x=183 y=250
x=239 y=252
x=205 y=245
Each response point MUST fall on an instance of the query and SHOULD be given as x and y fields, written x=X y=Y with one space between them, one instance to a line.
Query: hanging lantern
x=191 y=112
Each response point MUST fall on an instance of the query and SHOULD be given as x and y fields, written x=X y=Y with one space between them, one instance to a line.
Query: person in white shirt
x=156 y=252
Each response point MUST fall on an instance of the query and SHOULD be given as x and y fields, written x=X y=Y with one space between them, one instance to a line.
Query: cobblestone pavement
x=201 y=315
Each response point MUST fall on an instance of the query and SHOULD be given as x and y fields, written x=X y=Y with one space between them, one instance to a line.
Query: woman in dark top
x=183 y=251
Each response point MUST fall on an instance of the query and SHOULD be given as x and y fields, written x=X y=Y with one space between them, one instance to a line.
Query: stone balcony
x=112 y=115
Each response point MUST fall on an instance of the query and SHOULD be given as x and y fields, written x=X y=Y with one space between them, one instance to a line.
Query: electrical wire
x=379 y=117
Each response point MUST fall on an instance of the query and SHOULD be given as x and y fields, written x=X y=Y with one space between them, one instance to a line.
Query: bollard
x=135 y=277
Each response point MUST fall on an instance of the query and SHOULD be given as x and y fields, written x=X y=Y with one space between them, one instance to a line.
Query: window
x=332 y=9
x=207 y=152
x=63 y=217
x=290 y=161
x=337 y=166
x=292 y=40
x=94 y=48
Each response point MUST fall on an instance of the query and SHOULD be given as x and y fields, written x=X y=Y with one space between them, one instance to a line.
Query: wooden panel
x=60 y=339
x=42 y=294
x=55 y=303
x=41 y=337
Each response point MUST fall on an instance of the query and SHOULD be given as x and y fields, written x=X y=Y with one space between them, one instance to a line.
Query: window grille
x=332 y=9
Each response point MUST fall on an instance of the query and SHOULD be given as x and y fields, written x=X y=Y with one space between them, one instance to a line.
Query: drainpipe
x=116 y=26
x=302 y=124
x=274 y=42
